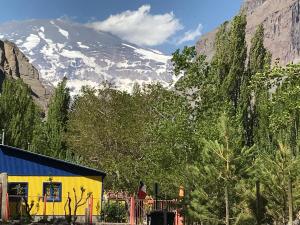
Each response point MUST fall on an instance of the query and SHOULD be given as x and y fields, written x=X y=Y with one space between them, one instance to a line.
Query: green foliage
x=108 y=127
x=274 y=172
x=238 y=54
x=18 y=113
x=183 y=61
x=258 y=60
x=49 y=136
x=223 y=166
x=224 y=128
x=221 y=60
x=258 y=55
x=114 y=212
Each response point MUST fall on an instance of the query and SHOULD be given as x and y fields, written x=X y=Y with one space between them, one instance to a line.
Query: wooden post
x=45 y=206
x=87 y=211
x=3 y=136
x=91 y=209
x=7 y=207
x=3 y=180
x=132 y=211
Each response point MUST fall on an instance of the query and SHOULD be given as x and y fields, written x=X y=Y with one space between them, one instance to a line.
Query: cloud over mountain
x=138 y=26
x=190 y=35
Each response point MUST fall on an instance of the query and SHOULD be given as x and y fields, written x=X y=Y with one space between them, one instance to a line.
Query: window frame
x=17 y=197
x=51 y=197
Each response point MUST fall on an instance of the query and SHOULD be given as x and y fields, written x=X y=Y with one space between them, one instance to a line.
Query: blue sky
x=160 y=24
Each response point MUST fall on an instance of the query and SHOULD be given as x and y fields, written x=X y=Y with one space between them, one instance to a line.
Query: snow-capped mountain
x=59 y=48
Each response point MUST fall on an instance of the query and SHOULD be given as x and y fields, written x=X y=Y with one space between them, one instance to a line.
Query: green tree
x=49 y=137
x=221 y=60
x=106 y=128
x=275 y=172
x=18 y=113
x=238 y=54
x=219 y=177
x=256 y=63
x=171 y=146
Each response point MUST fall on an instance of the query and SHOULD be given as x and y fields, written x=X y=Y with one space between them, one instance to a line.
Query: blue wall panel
x=19 y=162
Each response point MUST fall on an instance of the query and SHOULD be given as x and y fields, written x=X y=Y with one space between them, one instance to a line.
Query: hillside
x=15 y=65
x=282 y=28
x=59 y=48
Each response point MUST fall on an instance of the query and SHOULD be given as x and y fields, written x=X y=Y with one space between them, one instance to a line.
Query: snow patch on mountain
x=146 y=54
x=63 y=32
x=61 y=48
x=82 y=45
x=31 y=42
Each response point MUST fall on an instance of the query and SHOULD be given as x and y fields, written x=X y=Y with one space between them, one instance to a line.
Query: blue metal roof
x=19 y=162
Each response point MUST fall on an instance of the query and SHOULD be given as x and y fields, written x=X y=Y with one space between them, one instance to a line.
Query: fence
x=134 y=211
x=137 y=211
x=144 y=207
x=21 y=207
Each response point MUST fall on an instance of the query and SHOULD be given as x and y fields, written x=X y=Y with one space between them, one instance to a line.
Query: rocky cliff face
x=15 y=65
x=282 y=29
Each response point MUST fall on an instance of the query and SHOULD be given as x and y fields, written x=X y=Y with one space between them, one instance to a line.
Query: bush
x=115 y=212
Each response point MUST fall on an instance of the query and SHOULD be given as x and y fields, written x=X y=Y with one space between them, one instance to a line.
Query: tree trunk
x=258 y=213
x=227 y=206
x=290 y=201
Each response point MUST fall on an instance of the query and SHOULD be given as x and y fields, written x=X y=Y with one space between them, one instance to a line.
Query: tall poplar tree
x=258 y=59
x=18 y=113
x=238 y=54
x=221 y=61
x=57 y=118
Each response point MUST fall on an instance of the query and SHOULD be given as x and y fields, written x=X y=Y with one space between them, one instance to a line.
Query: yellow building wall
x=35 y=193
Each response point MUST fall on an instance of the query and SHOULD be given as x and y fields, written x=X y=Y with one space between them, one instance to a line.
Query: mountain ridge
x=280 y=19
x=62 y=48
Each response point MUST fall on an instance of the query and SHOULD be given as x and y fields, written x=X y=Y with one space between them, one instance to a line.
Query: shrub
x=114 y=212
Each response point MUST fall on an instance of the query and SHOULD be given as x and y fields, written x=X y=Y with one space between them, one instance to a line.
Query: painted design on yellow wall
x=57 y=202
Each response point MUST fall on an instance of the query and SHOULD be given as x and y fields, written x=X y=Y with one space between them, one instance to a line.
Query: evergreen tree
x=216 y=180
x=275 y=172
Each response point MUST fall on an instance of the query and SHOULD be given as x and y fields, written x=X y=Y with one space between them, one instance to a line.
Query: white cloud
x=190 y=35
x=140 y=26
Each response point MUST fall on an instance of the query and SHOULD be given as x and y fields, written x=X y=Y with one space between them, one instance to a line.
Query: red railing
x=140 y=210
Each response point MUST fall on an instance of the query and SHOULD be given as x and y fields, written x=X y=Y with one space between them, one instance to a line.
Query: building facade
x=44 y=186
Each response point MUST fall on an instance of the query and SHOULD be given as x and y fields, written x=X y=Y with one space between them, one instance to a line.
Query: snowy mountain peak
x=59 y=48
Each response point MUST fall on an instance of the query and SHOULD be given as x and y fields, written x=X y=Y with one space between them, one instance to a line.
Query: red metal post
x=132 y=211
x=176 y=217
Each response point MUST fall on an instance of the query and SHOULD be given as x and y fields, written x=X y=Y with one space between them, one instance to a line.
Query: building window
x=52 y=191
x=17 y=191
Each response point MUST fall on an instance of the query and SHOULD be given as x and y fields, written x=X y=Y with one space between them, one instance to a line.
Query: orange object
x=181 y=192
x=132 y=211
